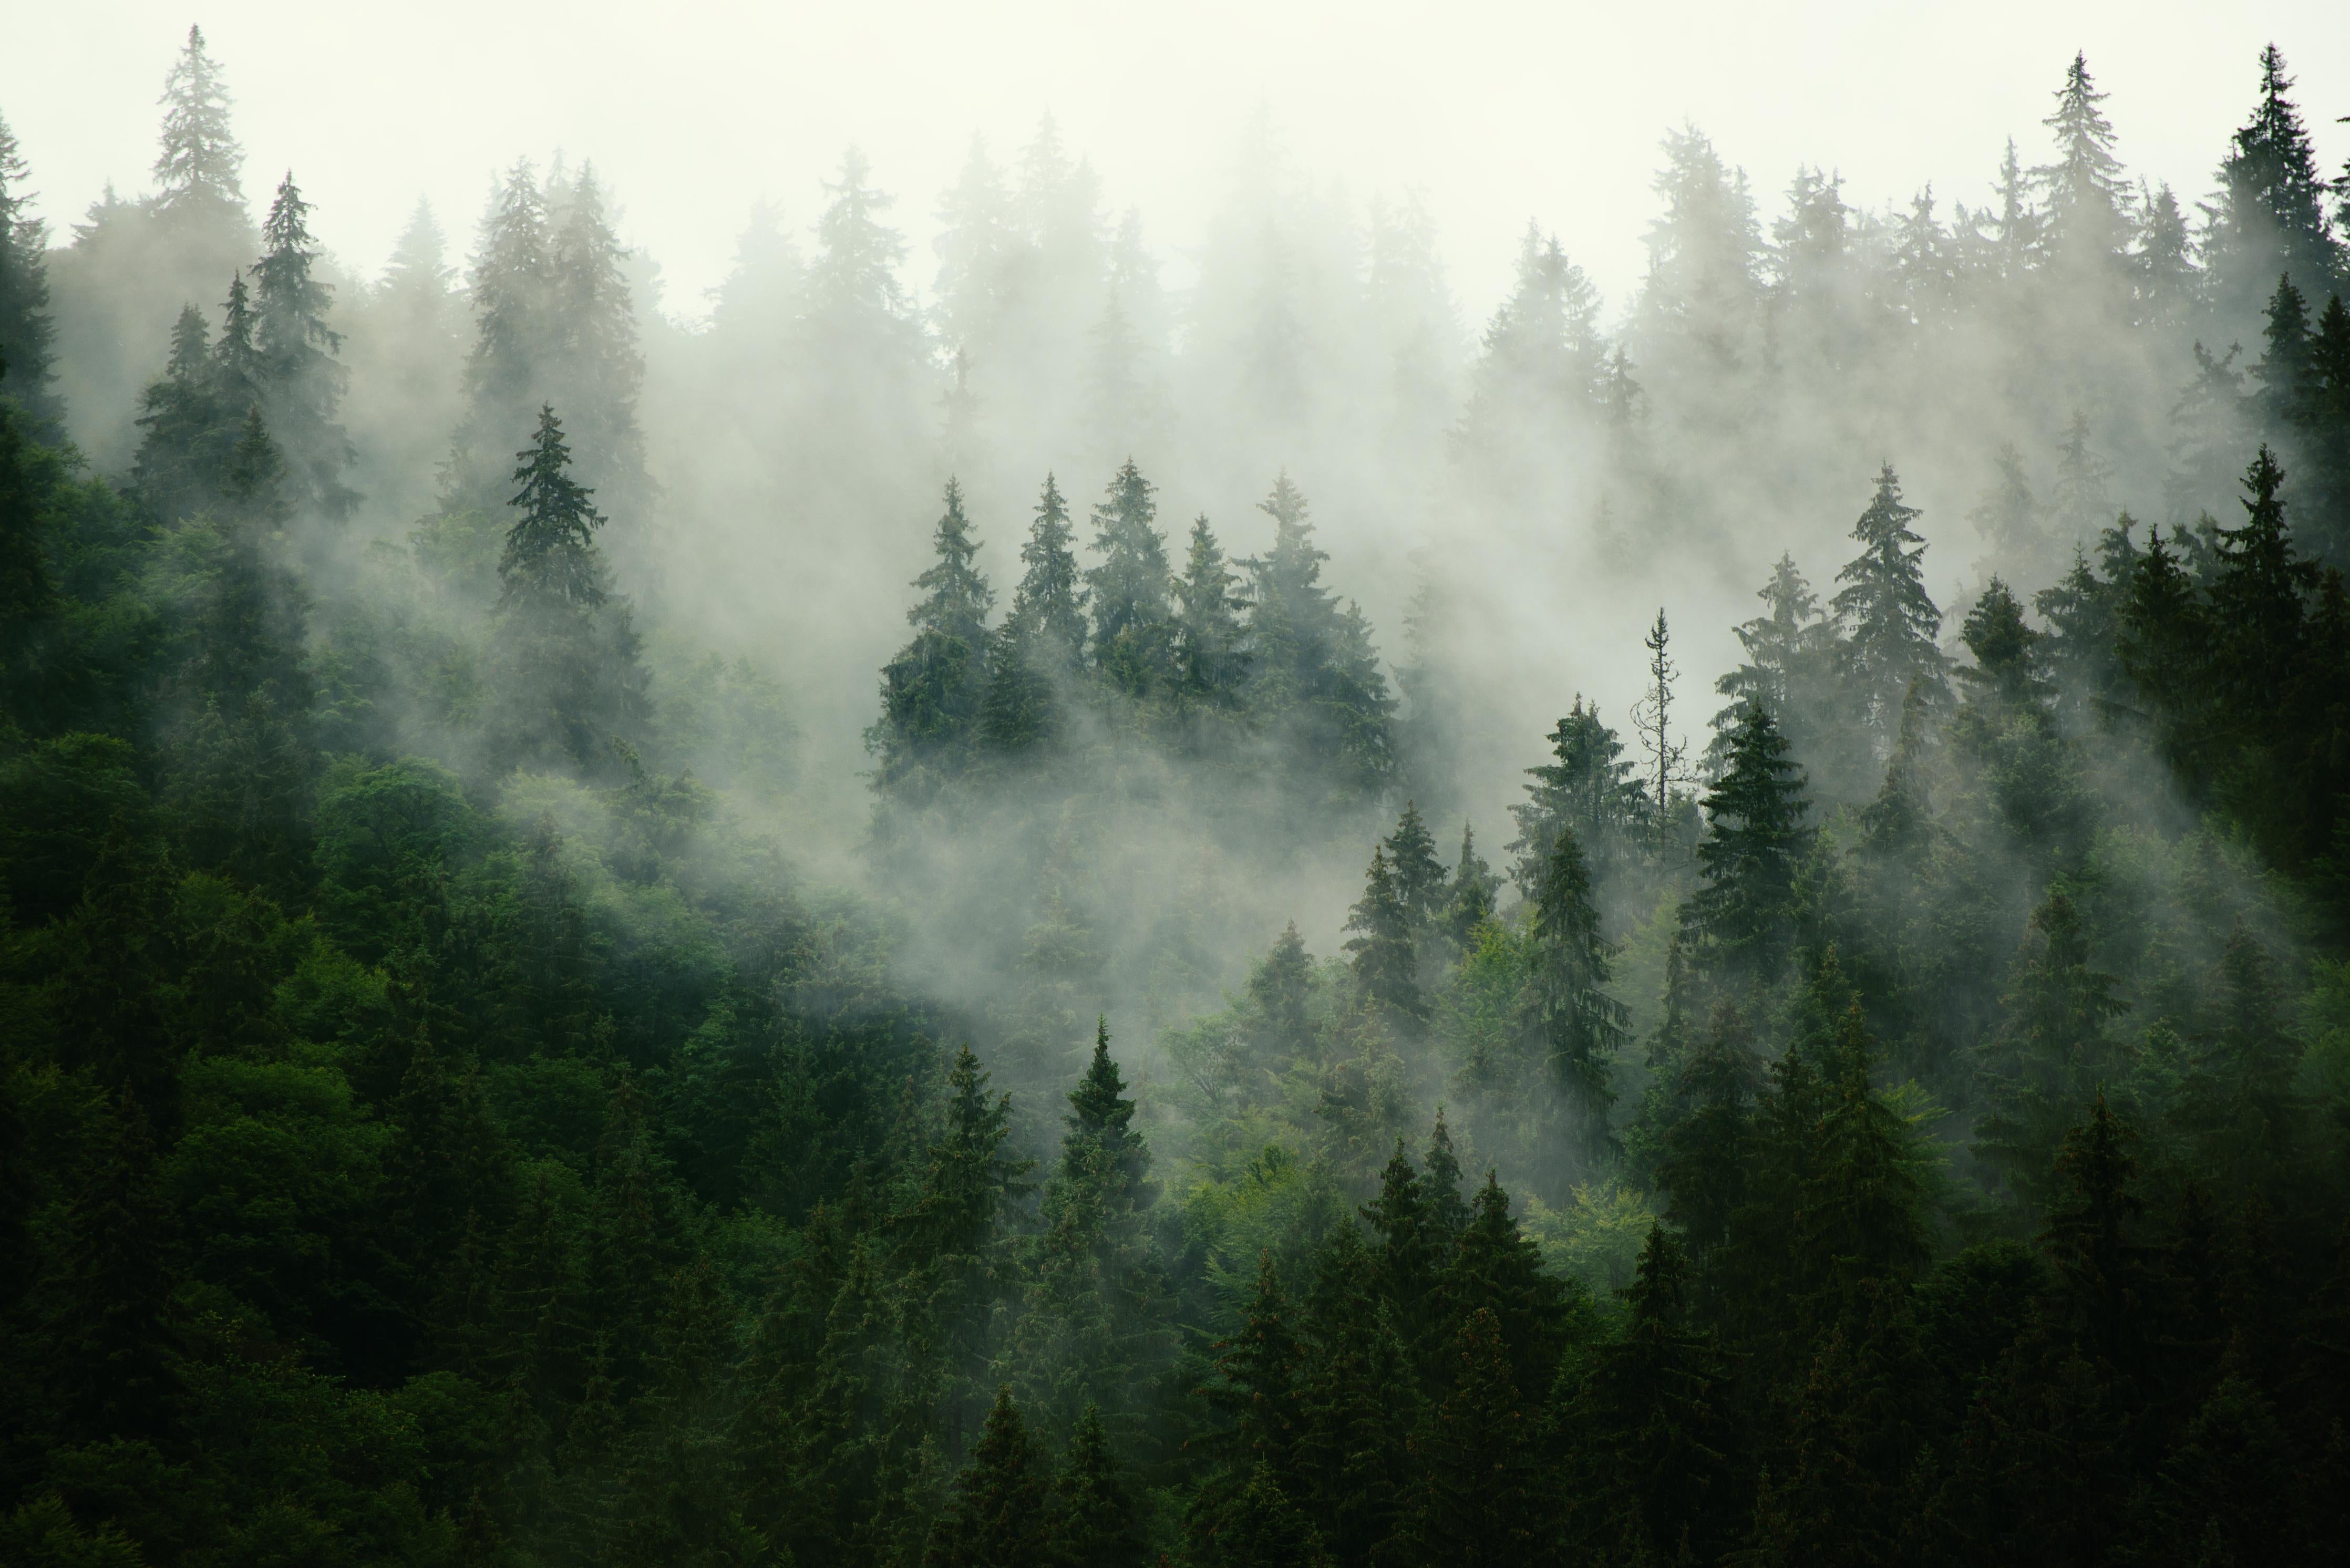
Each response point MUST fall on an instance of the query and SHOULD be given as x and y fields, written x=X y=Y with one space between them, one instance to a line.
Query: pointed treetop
x=550 y=551
x=200 y=163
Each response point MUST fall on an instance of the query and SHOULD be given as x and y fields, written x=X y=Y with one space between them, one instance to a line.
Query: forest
x=1011 y=912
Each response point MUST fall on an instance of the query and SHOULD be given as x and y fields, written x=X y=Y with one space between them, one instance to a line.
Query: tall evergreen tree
x=1210 y=658
x=303 y=380
x=2086 y=209
x=1418 y=874
x=565 y=647
x=27 y=332
x=592 y=365
x=1755 y=812
x=1133 y=622
x=1002 y=1509
x=2270 y=218
x=1049 y=604
x=1568 y=964
x=933 y=691
x=1891 y=619
x=1586 y=790
x=1313 y=669
x=1094 y=1518
x=198 y=173
x=1385 y=965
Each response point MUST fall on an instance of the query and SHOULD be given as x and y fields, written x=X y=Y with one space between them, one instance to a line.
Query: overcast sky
x=1494 y=112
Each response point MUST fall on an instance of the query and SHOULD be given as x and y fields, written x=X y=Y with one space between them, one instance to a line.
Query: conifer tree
x=2086 y=212
x=1418 y=874
x=1587 y=791
x=1568 y=963
x=933 y=691
x=27 y=331
x=1891 y=620
x=1790 y=653
x=1049 y=604
x=1385 y=965
x=1649 y=1439
x=1542 y=367
x=1259 y=1367
x=1001 y=1512
x=183 y=450
x=1280 y=988
x=2259 y=592
x=1312 y=667
x=1448 y=1212
x=1703 y=1161
x=2270 y=218
x=1407 y=1265
x=303 y=382
x=1480 y=1500
x=1133 y=623
x=2287 y=377
x=1496 y=1267
x=1757 y=836
x=2008 y=515
x=1093 y=1521
x=592 y=365
x=197 y=170
x=1469 y=901
x=565 y=647
x=1211 y=662
x=2050 y=1054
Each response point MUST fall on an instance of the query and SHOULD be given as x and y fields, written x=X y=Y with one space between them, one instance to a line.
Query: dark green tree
x=1470 y=900
x=2271 y=217
x=1001 y=1513
x=303 y=382
x=1889 y=620
x=1211 y=661
x=1049 y=604
x=1418 y=874
x=27 y=361
x=1749 y=860
x=1093 y=1521
x=1587 y=789
x=1133 y=621
x=1386 y=969
x=1568 y=963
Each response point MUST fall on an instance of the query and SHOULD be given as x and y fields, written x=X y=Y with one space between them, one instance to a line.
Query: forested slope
x=462 y=1100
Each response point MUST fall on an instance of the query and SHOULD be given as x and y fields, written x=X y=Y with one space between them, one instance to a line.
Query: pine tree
x=1543 y=362
x=1133 y=623
x=1259 y=1366
x=1385 y=965
x=2008 y=515
x=933 y=691
x=1587 y=791
x=565 y=648
x=1093 y=1521
x=1649 y=1439
x=1496 y=1268
x=2051 y=1053
x=1001 y=1512
x=513 y=308
x=2271 y=217
x=1704 y=1158
x=1568 y=963
x=197 y=173
x=302 y=380
x=1788 y=669
x=1049 y=604
x=1469 y=901
x=2167 y=283
x=183 y=451
x=2007 y=667
x=1210 y=662
x=1652 y=721
x=1408 y=1266
x=1481 y=1500
x=28 y=363
x=1313 y=669
x=1891 y=619
x=2259 y=592
x=1755 y=811
x=2087 y=214
x=2287 y=377
x=1448 y=1212
x=1418 y=874
x=592 y=365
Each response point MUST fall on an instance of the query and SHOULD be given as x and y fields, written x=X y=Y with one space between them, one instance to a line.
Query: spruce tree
x=1579 y=1027
x=1469 y=901
x=1480 y=1499
x=1133 y=623
x=2271 y=217
x=934 y=691
x=1755 y=841
x=2087 y=204
x=1890 y=621
x=197 y=170
x=1313 y=671
x=1790 y=653
x=2051 y=1053
x=563 y=648
x=513 y=308
x=1093 y=1519
x=1001 y=1513
x=1049 y=604
x=1259 y=1366
x=1496 y=1268
x=592 y=365
x=303 y=382
x=1385 y=964
x=186 y=432
x=28 y=363
x=1588 y=790
x=1418 y=874
x=1211 y=661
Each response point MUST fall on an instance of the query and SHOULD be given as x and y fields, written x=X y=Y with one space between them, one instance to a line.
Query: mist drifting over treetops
x=1033 y=887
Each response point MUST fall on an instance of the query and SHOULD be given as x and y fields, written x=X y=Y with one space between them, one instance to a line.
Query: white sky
x=1495 y=112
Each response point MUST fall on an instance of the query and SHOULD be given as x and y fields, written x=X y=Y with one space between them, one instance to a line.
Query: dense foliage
x=444 y=1120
